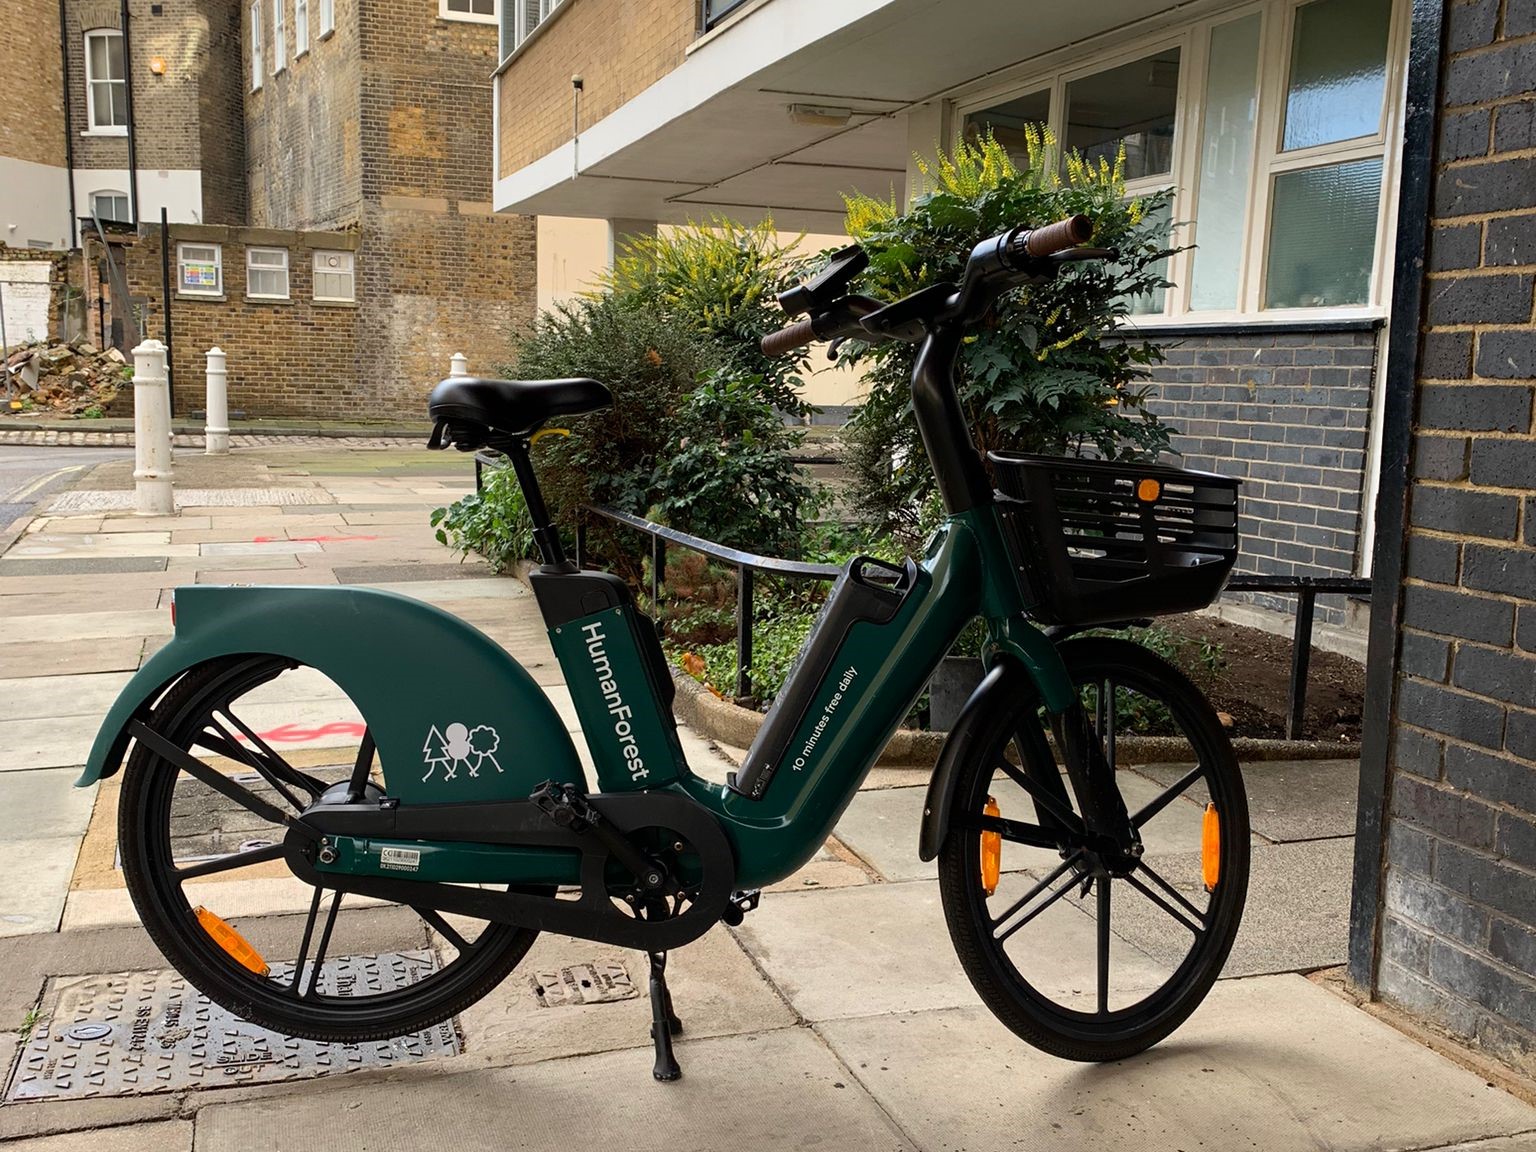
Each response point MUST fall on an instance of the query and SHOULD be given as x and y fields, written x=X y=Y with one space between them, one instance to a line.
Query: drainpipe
x=133 y=157
x=69 y=132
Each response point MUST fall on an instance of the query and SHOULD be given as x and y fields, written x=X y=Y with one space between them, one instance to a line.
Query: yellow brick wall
x=619 y=47
x=32 y=113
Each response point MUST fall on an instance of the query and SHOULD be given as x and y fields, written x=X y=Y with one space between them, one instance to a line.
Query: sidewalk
x=836 y=1016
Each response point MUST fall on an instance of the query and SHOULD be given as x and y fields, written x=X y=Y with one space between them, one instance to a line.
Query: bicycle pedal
x=742 y=902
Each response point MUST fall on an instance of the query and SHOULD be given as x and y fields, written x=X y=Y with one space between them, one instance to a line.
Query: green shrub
x=1047 y=372
x=493 y=522
x=719 y=280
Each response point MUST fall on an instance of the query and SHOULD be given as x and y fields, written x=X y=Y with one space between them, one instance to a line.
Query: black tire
x=1057 y=1023
x=145 y=838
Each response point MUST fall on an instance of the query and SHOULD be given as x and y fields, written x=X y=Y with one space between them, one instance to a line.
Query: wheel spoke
x=1107 y=728
x=325 y=941
x=1171 y=890
x=274 y=763
x=438 y=924
x=362 y=767
x=206 y=773
x=1033 y=892
x=1164 y=905
x=1102 y=884
x=1013 y=831
x=1156 y=805
x=1053 y=806
x=229 y=863
x=221 y=742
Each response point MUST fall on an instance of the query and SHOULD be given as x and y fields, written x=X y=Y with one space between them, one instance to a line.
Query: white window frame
x=258 y=68
x=93 y=128
x=445 y=13
x=279 y=36
x=181 y=269
x=251 y=266
x=522 y=28
x=316 y=271
x=1055 y=70
x=327 y=18
x=116 y=195
x=300 y=28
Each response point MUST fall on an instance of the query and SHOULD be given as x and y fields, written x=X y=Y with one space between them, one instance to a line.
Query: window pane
x=1322 y=235
x=1338 y=72
x=483 y=7
x=119 y=104
x=1131 y=105
x=101 y=105
x=268 y=282
x=98 y=60
x=1007 y=122
x=114 y=45
x=1226 y=158
x=1154 y=302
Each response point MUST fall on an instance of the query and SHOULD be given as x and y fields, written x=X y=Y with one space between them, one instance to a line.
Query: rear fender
x=412 y=670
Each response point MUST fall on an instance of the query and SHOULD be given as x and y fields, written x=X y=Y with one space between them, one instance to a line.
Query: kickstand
x=664 y=1021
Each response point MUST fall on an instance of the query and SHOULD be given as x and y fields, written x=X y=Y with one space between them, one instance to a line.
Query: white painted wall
x=24 y=300
x=179 y=191
x=34 y=204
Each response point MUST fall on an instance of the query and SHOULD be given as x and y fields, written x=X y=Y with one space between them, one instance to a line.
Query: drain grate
x=134 y=1033
x=595 y=982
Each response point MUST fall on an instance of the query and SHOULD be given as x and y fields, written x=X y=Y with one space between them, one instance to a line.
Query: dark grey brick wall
x=1287 y=413
x=1459 y=912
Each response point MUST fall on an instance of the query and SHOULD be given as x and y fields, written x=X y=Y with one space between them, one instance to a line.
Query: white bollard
x=216 y=434
x=152 y=473
x=458 y=364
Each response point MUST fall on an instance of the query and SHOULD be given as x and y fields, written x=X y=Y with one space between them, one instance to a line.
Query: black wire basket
x=1096 y=541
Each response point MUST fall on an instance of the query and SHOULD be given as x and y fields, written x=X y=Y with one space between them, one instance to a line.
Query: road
x=30 y=475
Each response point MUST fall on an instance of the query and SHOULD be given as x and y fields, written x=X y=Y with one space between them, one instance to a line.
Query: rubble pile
x=68 y=379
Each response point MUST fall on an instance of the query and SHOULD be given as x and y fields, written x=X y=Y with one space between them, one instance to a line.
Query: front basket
x=1097 y=541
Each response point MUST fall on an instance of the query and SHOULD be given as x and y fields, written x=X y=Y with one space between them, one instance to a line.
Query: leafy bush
x=493 y=522
x=1047 y=372
x=727 y=472
x=719 y=280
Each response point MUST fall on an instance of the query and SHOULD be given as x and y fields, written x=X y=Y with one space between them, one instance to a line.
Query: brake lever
x=834 y=346
x=1077 y=255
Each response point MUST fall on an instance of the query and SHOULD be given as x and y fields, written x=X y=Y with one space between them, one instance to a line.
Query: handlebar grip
x=797 y=335
x=1058 y=237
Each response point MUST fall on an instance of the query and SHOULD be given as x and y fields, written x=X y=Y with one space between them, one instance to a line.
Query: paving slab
x=54 y=603
x=70 y=657
x=716 y=989
x=770 y=1093
x=187 y=565
x=1276 y=1063
x=43 y=805
x=59 y=627
x=316 y=576
x=157 y=1136
x=84 y=566
x=53 y=742
x=37 y=878
x=1289 y=799
x=1296 y=918
x=88 y=1118
x=265 y=896
x=44 y=545
x=115 y=524
x=80 y=694
x=384 y=574
x=265 y=548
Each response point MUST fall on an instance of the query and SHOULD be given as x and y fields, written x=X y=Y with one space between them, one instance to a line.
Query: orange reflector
x=991 y=852
x=231 y=941
x=1148 y=490
x=1210 y=848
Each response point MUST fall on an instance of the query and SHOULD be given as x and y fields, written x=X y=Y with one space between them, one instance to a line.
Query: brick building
x=1445 y=897
x=263 y=127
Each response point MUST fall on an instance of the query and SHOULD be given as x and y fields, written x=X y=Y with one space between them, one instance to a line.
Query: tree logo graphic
x=483 y=742
x=435 y=752
x=459 y=746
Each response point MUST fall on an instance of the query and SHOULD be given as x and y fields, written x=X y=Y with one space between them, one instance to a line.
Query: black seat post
x=544 y=532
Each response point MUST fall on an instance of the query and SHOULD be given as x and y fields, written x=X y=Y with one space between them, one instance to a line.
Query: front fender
x=979 y=727
x=410 y=668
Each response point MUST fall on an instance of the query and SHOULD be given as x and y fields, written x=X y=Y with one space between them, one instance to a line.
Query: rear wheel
x=1083 y=955
x=327 y=967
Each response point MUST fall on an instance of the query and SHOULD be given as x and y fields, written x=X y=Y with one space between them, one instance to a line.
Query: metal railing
x=1306 y=589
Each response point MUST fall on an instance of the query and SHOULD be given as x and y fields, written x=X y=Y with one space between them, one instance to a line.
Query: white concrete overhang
x=716 y=134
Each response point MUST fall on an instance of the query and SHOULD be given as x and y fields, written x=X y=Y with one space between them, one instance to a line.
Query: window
x=279 y=36
x=266 y=273
x=106 y=83
x=327 y=17
x=1271 y=126
x=482 y=11
x=111 y=205
x=333 y=276
x=300 y=28
x=256 y=33
x=518 y=18
x=200 y=270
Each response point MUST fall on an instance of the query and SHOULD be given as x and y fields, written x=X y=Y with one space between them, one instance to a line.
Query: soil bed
x=1253 y=685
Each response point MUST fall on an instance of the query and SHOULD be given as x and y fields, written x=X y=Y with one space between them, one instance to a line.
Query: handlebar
x=797 y=335
x=1039 y=243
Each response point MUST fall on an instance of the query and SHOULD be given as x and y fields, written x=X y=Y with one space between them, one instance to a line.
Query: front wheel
x=1086 y=956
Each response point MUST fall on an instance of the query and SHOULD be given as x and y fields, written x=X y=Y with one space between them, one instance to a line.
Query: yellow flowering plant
x=1050 y=371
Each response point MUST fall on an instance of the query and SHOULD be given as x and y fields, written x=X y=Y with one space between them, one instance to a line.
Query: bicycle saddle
x=514 y=407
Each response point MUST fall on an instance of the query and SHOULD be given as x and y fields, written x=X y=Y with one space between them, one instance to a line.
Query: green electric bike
x=1087 y=814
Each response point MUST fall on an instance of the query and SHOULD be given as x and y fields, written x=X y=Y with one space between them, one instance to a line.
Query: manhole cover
x=597 y=982
x=132 y=1033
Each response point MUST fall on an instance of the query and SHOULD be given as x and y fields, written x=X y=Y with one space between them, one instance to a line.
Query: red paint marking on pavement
x=308 y=539
x=294 y=734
